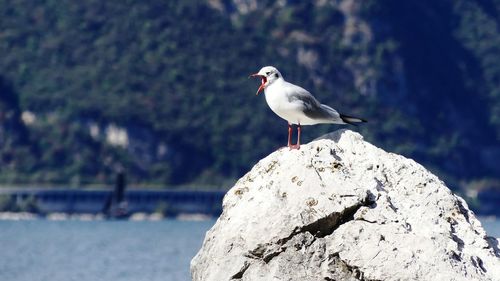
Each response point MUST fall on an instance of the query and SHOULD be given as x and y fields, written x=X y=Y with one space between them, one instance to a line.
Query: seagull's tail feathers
x=351 y=119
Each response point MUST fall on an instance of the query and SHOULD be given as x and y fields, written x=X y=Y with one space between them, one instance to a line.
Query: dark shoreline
x=168 y=203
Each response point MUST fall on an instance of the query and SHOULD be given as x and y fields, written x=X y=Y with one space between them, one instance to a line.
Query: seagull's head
x=268 y=74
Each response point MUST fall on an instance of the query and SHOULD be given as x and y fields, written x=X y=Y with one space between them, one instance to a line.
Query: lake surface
x=99 y=250
x=107 y=250
x=491 y=225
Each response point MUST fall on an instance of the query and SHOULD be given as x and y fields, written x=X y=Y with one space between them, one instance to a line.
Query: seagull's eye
x=267 y=73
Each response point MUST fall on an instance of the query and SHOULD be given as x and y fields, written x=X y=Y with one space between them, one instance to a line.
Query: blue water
x=107 y=250
x=99 y=250
x=491 y=225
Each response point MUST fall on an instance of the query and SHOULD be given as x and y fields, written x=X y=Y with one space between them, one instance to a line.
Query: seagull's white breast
x=279 y=102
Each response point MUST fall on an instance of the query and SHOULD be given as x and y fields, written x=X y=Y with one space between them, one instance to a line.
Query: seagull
x=296 y=105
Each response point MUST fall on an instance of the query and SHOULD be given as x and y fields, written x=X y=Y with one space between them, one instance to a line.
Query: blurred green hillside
x=160 y=87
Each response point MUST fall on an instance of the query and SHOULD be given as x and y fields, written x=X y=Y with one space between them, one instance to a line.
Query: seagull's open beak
x=262 y=84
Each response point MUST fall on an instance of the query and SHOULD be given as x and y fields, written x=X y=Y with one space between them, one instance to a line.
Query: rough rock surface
x=342 y=209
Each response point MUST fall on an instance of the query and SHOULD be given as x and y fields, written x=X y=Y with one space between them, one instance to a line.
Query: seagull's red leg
x=296 y=146
x=289 y=134
x=298 y=136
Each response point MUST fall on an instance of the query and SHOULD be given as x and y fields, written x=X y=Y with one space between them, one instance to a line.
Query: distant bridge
x=169 y=202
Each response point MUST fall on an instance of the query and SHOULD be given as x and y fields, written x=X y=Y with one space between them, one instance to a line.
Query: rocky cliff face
x=341 y=209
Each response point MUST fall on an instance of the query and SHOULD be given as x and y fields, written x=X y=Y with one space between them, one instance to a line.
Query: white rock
x=28 y=117
x=117 y=136
x=193 y=217
x=17 y=216
x=342 y=209
x=139 y=216
x=57 y=216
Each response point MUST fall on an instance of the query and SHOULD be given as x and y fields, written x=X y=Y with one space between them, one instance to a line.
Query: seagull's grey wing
x=310 y=106
x=334 y=115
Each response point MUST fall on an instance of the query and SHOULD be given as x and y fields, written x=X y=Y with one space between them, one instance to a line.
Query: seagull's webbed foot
x=294 y=146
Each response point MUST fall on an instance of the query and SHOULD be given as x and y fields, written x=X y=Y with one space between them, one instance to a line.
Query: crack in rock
x=454 y=236
x=316 y=170
x=354 y=271
x=319 y=229
x=241 y=272
x=462 y=209
x=493 y=245
x=478 y=262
